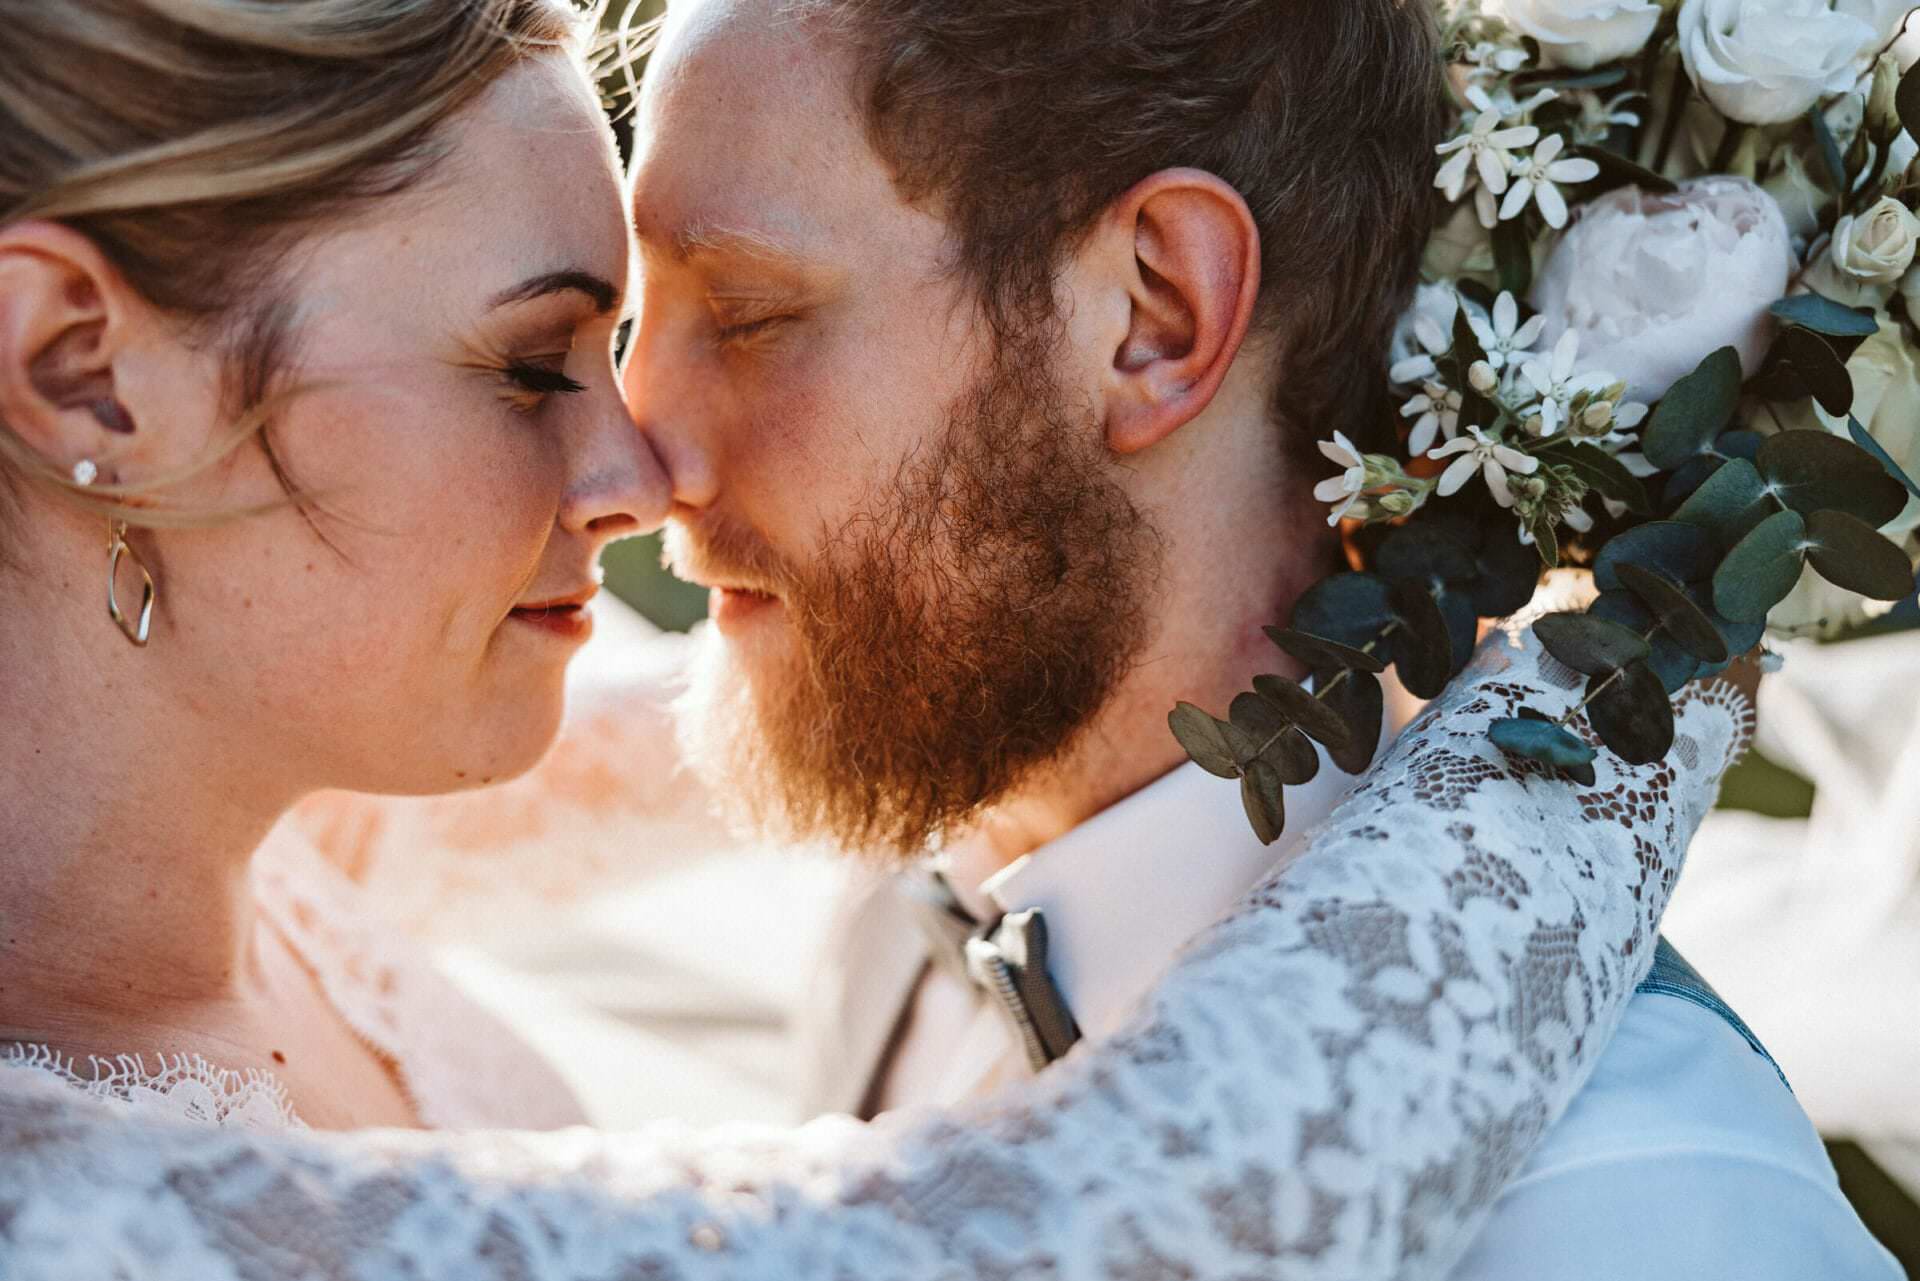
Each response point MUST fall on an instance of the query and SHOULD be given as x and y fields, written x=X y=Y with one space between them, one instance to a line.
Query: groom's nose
x=670 y=411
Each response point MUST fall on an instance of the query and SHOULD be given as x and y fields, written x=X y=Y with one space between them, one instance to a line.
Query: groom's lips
x=733 y=607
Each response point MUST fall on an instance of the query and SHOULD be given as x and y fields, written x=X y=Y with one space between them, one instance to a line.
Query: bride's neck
x=126 y=829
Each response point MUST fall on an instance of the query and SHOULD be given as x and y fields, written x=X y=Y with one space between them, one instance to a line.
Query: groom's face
x=927 y=575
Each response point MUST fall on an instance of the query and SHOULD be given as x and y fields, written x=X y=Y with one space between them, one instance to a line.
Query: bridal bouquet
x=1667 y=331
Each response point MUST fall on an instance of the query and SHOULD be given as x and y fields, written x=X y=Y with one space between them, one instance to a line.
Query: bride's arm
x=1336 y=1082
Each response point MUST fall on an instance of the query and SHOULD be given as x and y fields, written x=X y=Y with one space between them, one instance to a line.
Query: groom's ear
x=1184 y=248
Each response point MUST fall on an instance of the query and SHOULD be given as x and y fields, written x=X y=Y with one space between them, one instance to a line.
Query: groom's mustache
x=712 y=550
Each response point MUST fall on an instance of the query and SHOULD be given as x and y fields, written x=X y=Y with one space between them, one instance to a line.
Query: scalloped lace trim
x=185 y=1087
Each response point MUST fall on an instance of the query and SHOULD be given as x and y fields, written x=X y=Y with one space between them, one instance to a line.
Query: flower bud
x=1482 y=378
x=1598 y=416
x=1397 y=503
x=1883 y=116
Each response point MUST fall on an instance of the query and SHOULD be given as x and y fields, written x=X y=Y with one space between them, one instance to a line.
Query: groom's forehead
x=748 y=142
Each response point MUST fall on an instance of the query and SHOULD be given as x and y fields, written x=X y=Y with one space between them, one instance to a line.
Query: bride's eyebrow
x=603 y=293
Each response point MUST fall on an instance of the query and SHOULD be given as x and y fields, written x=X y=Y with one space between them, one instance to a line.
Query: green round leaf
x=1259 y=731
x=1825 y=316
x=1686 y=622
x=1258 y=718
x=1263 y=797
x=1693 y=411
x=1203 y=740
x=1672 y=664
x=1800 y=364
x=1685 y=553
x=1864 y=438
x=1814 y=471
x=1424 y=554
x=1632 y=715
x=1852 y=554
x=1541 y=740
x=1422 y=648
x=1589 y=644
x=1728 y=503
x=1509 y=571
x=1361 y=704
x=1305 y=711
x=1320 y=654
x=1349 y=608
x=1762 y=568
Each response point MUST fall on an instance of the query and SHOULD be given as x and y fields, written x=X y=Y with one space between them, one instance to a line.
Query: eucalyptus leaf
x=1618 y=171
x=1203 y=740
x=1683 y=552
x=1463 y=628
x=1305 y=711
x=1349 y=608
x=1588 y=644
x=1320 y=654
x=1825 y=316
x=1850 y=553
x=1689 y=625
x=1801 y=363
x=1258 y=719
x=1361 y=703
x=1694 y=411
x=1812 y=471
x=1739 y=444
x=1422 y=646
x=1762 y=568
x=1293 y=758
x=1672 y=664
x=1513 y=257
x=1263 y=798
x=1864 y=438
x=1602 y=472
x=1508 y=572
x=1906 y=102
x=1632 y=714
x=1690 y=475
x=1426 y=554
x=1541 y=740
x=1829 y=149
x=1729 y=503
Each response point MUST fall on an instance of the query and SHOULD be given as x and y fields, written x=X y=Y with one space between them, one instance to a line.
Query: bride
x=307 y=322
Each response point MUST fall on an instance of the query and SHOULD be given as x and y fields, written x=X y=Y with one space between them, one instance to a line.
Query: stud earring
x=137 y=631
x=85 y=472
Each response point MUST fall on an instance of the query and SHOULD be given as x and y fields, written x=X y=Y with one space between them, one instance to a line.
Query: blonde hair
x=195 y=141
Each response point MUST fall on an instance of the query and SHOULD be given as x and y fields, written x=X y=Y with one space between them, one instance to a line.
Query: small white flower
x=1554 y=381
x=1490 y=458
x=1345 y=489
x=1436 y=410
x=1504 y=337
x=1420 y=366
x=1599 y=116
x=1535 y=180
x=1485 y=148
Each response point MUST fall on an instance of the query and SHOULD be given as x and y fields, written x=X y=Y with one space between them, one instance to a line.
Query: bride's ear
x=67 y=321
x=1189 y=253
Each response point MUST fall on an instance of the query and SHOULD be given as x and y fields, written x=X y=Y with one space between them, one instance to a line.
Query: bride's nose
x=617 y=487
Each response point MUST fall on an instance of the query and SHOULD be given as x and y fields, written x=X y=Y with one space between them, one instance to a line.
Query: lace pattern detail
x=180 y=1087
x=1335 y=1082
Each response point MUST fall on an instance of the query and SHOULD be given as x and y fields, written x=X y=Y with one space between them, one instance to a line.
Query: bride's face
x=461 y=431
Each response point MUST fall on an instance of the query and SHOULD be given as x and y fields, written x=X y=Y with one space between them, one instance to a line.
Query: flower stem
x=1677 y=101
x=1334 y=684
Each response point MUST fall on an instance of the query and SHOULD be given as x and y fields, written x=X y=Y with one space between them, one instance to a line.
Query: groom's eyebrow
x=604 y=294
x=704 y=239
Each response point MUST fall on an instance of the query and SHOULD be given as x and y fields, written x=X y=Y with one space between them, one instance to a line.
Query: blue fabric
x=1672 y=976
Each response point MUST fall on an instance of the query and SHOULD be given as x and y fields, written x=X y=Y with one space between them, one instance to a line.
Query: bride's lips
x=563 y=617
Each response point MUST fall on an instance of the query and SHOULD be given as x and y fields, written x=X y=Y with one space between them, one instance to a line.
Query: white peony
x=1653 y=283
x=1768 y=61
x=1868 y=255
x=1582 y=34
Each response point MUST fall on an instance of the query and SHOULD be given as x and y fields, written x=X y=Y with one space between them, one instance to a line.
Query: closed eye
x=750 y=328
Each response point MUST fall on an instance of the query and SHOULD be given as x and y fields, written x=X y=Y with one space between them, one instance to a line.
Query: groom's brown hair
x=1022 y=120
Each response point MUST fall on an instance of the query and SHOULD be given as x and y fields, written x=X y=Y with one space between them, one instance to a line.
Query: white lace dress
x=1335 y=1082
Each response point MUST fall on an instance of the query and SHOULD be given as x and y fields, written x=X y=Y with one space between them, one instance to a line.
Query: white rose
x=1871 y=252
x=1582 y=34
x=1768 y=61
x=1654 y=283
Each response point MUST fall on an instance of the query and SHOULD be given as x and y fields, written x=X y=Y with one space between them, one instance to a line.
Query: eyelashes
x=541 y=381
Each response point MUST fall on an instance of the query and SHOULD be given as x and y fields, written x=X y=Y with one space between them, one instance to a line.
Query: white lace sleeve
x=1336 y=1082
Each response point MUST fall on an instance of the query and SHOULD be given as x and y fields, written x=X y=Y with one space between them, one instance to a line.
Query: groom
x=986 y=344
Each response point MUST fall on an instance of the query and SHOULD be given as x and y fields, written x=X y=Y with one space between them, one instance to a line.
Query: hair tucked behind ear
x=196 y=141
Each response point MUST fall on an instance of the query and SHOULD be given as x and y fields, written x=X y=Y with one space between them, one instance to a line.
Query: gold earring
x=136 y=633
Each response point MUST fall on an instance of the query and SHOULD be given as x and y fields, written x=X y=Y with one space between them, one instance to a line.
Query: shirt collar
x=1124 y=891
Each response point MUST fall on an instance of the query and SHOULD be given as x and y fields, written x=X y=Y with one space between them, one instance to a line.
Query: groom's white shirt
x=1683 y=1158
